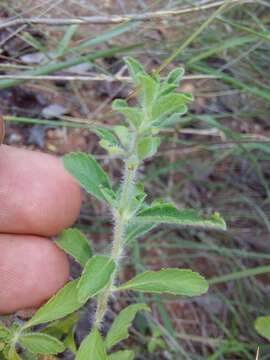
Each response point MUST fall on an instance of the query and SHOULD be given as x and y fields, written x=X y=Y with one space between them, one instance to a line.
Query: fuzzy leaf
x=166 y=89
x=87 y=172
x=170 y=120
x=148 y=89
x=38 y=343
x=63 y=303
x=172 y=281
x=262 y=326
x=123 y=134
x=92 y=347
x=106 y=134
x=175 y=76
x=95 y=276
x=11 y=354
x=110 y=148
x=119 y=329
x=133 y=114
x=134 y=67
x=174 y=119
x=64 y=329
x=108 y=141
x=168 y=214
x=5 y=333
x=61 y=327
x=148 y=146
x=110 y=196
x=134 y=231
x=122 y=355
x=70 y=342
x=169 y=104
x=74 y=243
x=137 y=202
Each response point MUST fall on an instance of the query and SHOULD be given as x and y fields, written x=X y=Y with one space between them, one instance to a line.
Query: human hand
x=38 y=198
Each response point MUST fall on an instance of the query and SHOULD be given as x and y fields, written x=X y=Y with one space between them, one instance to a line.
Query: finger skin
x=37 y=195
x=32 y=269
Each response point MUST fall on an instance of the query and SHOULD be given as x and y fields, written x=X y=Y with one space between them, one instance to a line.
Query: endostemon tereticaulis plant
x=159 y=106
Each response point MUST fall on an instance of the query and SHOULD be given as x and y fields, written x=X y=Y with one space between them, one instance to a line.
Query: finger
x=32 y=269
x=37 y=195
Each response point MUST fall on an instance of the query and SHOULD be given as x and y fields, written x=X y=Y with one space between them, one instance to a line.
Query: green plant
x=159 y=106
x=262 y=326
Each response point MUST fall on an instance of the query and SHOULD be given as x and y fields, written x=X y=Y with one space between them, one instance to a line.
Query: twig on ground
x=114 y=19
x=100 y=77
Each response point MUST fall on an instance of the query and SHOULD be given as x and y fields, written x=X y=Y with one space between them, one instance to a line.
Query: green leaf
x=133 y=114
x=61 y=327
x=108 y=141
x=95 y=276
x=168 y=214
x=63 y=303
x=69 y=341
x=262 y=326
x=92 y=347
x=123 y=134
x=166 y=89
x=74 y=243
x=110 y=196
x=169 y=104
x=172 y=281
x=148 y=90
x=187 y=95
x=119 y=329
x=137 y=201
x=106 y=134
x=5 y=333
x=111 y=149
x=173 y=119
x=155 y=343
x=122 y=355
x=11 y=354
x=38 y=343
x=175 y=76
x=148 y=146
x=134 y=67
x=134 y=231
x=87 y=172
x=64 y=329
x=170 y=120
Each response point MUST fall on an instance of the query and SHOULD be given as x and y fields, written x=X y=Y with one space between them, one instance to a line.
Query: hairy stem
x=121 y=218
